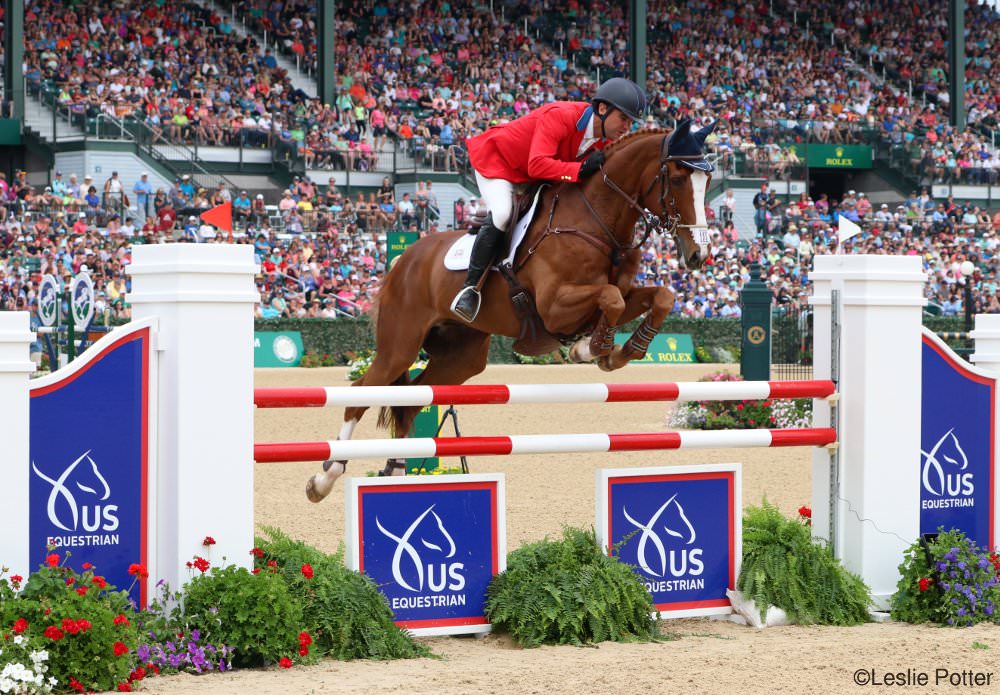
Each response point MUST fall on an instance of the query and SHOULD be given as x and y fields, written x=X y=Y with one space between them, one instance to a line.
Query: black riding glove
x=591 y=164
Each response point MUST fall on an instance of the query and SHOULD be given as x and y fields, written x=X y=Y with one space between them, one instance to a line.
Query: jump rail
x=470 y=394
x=277 y=452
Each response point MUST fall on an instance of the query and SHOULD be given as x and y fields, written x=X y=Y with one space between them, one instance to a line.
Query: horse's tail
x=394 y=417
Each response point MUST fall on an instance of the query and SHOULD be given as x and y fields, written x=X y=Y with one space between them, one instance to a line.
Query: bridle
x=670 y=222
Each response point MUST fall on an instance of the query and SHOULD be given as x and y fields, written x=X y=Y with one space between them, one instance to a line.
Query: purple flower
x=195 y=635
x=950 y=556
x=961 y=565
x=143 y=652
x=175 y=660
x=961 y=612
x=983 y=563
x=942 y=566
x=945 y=586
x=988 y=609
x=171 y=646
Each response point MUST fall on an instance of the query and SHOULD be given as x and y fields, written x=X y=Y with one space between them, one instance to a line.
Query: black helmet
x=624 y=94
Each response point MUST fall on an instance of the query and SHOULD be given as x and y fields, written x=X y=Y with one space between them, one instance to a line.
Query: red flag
x=220 y=216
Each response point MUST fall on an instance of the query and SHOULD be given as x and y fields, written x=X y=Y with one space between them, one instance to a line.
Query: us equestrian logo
x=78 y=502
x=424 y=557
x=675 y=563
x=944 y=474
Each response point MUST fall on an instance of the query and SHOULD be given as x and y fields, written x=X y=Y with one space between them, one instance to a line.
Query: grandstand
x=839 y=113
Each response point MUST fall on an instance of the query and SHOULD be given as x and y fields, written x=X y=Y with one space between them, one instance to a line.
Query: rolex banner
x=836 y=156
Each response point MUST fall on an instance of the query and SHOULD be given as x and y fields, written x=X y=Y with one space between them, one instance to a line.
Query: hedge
x=344 y=338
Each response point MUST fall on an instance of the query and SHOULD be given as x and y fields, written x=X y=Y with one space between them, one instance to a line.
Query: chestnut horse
x=578 y=260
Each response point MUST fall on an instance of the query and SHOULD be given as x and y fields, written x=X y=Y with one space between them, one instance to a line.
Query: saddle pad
x=457 y=257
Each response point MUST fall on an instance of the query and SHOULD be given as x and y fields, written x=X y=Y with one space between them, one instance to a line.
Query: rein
x=616 y=250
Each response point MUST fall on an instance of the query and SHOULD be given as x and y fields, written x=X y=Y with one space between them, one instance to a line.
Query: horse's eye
x=677 y=180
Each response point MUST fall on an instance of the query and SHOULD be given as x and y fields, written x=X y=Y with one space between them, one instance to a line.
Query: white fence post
x=202 y=297
x=15 y=368
x=874 y=487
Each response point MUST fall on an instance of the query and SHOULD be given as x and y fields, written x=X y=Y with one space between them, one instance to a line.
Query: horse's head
x=679 y=199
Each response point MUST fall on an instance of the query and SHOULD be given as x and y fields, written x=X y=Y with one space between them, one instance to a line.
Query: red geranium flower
x=138 y=674
x=70 y=626
x=285 y=662
x=124 y=687
x=16 y=580
x=303 y=651
x=83 y=624
x=86 y=566
x=272 y=564
x=52 y=560
x=925 y=583
x=305 y=639
x=201 y=564
x=53 y=633
x=805 y=512
x=76 y=685
x=99 y=582
x=120 y=649
x=121 y=619
x=137 y=570
x=208 y=541
x=20 y=625
x=82 y=590
x=307 y=571
x=255 y=570
x=153 y=667
x=70 y=580
x=257 y=552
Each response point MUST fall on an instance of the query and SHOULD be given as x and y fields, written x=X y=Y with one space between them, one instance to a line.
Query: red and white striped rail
x=470 y=394
x=538 y=444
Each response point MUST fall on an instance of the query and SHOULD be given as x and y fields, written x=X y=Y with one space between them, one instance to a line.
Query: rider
x=560 y=141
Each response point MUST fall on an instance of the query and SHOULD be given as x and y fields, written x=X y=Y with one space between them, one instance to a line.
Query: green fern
x=784 y=567
x=569 y=592
x=343 y=610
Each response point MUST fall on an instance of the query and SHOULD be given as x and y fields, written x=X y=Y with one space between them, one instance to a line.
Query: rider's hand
x=591 y=164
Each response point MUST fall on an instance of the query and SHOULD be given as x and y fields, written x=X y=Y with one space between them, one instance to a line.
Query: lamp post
x=968 y=269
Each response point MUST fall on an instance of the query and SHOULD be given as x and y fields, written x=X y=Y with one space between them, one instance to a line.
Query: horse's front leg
x=571 y=303
x=657 y=301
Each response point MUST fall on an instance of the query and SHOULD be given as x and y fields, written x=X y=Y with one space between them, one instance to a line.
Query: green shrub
x=256 y=614
x=784 y=567
x=343 y=610
x=569 y=592
x=75 y=618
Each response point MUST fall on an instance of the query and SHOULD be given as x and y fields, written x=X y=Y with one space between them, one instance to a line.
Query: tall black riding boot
x=466 y=303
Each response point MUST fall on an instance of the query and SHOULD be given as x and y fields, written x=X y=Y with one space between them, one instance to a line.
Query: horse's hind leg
x=388 y=367
x=455 y=354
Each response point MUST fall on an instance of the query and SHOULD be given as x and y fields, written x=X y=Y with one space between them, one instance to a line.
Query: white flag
x=846 y=229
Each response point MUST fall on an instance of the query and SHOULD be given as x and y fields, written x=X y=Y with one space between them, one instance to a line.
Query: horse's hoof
x=580 y=352
x=605 y=364
x=393 y=467
x=312 y=492
x=319 y=485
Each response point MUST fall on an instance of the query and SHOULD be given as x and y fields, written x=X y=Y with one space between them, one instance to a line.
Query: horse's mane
x=625 y=139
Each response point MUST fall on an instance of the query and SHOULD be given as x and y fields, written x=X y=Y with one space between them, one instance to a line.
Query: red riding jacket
x=541 y=145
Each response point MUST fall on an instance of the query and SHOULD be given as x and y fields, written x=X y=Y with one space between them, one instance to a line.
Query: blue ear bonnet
x=684 y=143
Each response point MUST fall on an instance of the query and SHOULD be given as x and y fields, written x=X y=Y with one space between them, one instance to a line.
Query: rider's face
x=617 y=124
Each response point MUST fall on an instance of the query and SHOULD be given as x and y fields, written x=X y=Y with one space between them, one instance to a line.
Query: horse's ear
x=700 y=135
x=682 y=130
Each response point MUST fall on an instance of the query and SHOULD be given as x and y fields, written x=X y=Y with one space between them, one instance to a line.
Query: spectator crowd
x=424 y=75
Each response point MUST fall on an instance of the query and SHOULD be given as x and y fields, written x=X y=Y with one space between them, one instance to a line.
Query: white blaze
x=699 y=184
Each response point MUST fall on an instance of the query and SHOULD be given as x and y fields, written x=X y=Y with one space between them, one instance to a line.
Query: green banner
x=10 y=131
x=396 y=243
x=424 y=425
x=277 y=349
x=835 y=156
x=667 y=348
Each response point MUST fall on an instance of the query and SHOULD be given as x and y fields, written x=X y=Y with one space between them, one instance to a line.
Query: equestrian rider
x=560 y=141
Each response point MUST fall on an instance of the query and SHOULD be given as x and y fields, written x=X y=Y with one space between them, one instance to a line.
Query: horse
x=578 y=262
